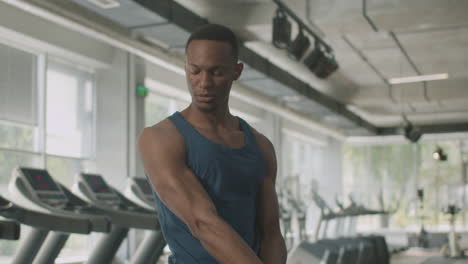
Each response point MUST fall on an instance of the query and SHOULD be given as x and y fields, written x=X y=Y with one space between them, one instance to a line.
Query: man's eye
x=218 y=73
x=194 y=71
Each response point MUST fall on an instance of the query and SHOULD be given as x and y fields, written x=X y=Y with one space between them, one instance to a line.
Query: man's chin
x=206 y=108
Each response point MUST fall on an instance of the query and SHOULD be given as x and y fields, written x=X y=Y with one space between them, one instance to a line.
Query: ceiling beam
x=189 y=21
x=427 y=129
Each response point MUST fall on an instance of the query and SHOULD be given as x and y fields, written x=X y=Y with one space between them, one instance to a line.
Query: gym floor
x=424 y=256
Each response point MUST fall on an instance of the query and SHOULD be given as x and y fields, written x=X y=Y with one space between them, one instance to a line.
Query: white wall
x=112 y=120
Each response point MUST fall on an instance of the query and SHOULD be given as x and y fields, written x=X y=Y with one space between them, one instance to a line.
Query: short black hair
x=216 y=32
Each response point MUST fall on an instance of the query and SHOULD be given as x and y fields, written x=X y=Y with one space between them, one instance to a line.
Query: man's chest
x=226 y=138
x=227 y=173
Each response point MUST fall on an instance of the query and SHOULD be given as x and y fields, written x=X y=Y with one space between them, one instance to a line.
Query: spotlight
x=327 y=65
x=439 y=154
x=412 y=133
x=320 y=62
x=281 y=30
x=300 y=44
x=313 y=59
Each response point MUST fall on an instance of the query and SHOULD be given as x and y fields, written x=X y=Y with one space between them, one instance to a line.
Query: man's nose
x=206 y=80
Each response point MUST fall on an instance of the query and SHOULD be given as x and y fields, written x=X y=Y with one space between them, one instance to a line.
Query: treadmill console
x=41 y=186
x=100 y=191
x=139 y=191
x=143 y=188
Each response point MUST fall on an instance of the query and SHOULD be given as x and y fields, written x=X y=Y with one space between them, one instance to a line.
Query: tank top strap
x=182 y=125
x=249 y=135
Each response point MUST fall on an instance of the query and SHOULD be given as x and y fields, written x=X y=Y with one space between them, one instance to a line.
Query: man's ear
x=238 y=70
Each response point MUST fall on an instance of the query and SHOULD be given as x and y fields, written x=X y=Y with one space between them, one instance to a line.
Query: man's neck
x=221 y=119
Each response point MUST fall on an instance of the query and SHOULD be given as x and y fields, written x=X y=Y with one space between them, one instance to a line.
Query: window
x=18 y=81
x=58 y=135
x=69 y=111
x=302 y=163
x=388 y=176
x=18 y=121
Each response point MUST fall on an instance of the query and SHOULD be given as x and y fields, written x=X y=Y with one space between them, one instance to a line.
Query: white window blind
x=69 y=111
x=18 y=82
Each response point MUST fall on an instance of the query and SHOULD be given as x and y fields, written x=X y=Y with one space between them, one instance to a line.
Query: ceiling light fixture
x=281 y=30
x=321 y=62
x=439 y=154
x=314 y=57
x=411 y=132
x=299 y=46
x=327 y=65
x=419 y=78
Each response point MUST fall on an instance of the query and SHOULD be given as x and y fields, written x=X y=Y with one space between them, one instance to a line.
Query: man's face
x=210 y=69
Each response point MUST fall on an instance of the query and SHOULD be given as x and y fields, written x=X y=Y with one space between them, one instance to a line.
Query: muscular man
x=213 y=175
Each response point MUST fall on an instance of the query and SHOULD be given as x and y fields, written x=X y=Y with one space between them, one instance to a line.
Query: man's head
x=211 y=66
x=217 y=33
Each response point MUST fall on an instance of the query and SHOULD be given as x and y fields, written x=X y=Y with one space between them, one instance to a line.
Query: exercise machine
x=9 y=230
x=46 y=206
x=139 y=191
x=124 y=214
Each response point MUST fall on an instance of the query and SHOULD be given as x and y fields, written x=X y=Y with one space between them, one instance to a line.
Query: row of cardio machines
x=342 y=250
x=353 y=250
x=54 y=213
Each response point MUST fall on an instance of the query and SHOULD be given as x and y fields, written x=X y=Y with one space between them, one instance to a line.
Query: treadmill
x=139 y=191
x=46 y=206
x=123 y=213
x=9 y=230
x=41 y=224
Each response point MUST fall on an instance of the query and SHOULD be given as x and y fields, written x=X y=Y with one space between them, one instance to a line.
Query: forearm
x=224 y=244
x=273 y=250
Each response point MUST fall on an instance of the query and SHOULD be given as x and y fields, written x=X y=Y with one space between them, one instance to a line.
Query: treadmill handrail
x=54 y=222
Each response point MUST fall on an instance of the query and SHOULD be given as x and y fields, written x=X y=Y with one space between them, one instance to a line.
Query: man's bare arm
x=273 y=249
x=162 y=151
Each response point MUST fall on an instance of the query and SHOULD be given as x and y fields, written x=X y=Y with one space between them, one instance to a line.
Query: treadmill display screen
x=144 y=186
x=40 y=180
x=97 y=183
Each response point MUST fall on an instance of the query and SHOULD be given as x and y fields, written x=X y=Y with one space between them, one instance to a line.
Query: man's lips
x=205 y=98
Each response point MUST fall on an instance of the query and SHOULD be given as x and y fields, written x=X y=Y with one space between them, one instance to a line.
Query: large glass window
x=302 y=164
x=302 y=170
x=17 y=136
x=388 y=177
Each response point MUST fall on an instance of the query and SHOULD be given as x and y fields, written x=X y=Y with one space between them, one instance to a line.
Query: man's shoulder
x=162 y=133
x=263 y=141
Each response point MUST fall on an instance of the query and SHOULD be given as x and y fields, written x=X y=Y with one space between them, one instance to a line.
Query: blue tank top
x=230 y=176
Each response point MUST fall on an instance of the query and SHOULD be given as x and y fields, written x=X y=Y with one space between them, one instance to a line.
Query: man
x=213 y=175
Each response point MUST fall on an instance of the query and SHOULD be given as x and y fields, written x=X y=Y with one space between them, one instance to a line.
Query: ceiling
x=373 y=41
